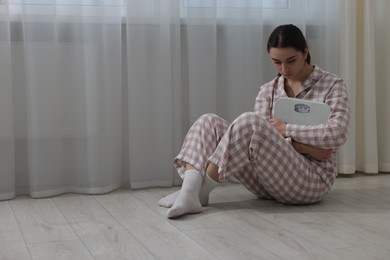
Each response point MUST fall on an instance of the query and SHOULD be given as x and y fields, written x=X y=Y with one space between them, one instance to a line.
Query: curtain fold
x=7 y=137
x=364 y=42
x=154 y=93
x=381 y=21
x=66 y=66
x=96 y=95
x=367 y=149
x=346 y=63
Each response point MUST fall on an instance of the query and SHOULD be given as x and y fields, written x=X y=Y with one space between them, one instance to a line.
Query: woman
x=294 y=164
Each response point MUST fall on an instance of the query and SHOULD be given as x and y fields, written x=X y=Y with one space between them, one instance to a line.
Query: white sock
x=168 y=201
x=188 y=199
x=207 y=186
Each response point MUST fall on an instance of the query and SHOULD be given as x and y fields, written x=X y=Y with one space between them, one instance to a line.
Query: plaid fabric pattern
x=265 y=162
x=321 y=86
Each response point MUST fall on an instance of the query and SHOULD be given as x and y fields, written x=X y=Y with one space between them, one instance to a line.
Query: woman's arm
x=332 y=134
x=263 y=103
x=316 y=153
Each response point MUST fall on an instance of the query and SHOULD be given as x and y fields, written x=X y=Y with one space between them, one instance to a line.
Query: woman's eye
x=290 y=61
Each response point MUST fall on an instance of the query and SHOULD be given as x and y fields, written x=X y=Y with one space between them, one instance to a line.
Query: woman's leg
x=250 y=181
x=191 y=164
x=200 y=143
x=258 y=156
x=278 y=170
x=207 y=186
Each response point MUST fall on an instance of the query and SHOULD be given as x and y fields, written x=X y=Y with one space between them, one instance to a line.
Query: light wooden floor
x=353 y=222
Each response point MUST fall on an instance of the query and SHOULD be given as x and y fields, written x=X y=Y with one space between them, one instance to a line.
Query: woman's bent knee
x=209 y=117
x=249 y=120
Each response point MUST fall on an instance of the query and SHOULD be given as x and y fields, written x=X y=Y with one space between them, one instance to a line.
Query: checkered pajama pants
x=252 y=151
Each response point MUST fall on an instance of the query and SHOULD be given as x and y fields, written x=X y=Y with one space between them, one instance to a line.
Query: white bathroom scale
x=301 y=112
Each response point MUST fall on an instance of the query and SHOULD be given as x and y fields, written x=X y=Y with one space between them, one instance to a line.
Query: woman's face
x=288 y=61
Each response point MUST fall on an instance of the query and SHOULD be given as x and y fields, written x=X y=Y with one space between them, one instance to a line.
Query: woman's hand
x=316 y=153
x=279 y=125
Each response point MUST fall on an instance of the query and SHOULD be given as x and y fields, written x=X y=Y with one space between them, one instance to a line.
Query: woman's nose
x=284 y=67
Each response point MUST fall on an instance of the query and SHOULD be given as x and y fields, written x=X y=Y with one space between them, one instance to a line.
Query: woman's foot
x=187 y=201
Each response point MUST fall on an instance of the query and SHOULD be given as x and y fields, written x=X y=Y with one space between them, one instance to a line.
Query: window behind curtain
x=67 y=2
x=268 y=8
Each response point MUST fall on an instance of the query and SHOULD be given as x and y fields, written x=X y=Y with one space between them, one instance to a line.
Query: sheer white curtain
x=381 y=20
x=7 y=150
x=99 y=95
x=190 y=57
x=364 y=51
x=154 y=90
x=61 y=111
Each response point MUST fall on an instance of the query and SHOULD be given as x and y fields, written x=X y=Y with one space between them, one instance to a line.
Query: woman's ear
x=305 y=53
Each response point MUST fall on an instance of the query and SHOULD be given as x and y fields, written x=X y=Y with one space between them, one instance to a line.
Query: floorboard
x=352 y=222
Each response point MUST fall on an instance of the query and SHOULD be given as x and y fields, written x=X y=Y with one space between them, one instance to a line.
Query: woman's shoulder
x=327 y=82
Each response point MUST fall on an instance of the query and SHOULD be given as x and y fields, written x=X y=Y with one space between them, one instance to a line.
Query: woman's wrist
x=299 y=147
